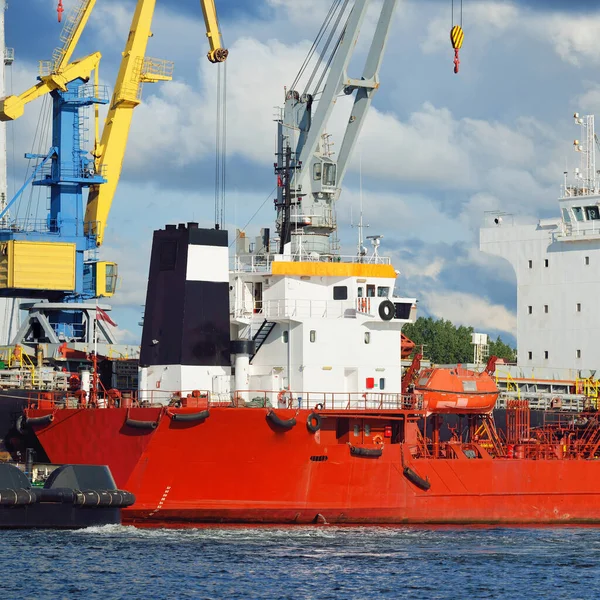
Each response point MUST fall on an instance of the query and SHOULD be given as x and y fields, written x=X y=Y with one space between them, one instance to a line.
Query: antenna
x=361 y=250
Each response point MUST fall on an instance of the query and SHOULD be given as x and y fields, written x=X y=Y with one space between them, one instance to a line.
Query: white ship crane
x=310 y=175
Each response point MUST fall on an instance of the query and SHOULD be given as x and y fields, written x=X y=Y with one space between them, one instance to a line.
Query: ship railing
x=301 y=308
x=545 y=401
x=260 y=263
x=327 y=400
x=351 y=401
x=306 y=309
x=580 y=229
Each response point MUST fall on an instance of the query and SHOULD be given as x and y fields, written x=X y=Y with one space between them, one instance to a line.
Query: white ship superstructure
x=318 y=324
x=557 y=267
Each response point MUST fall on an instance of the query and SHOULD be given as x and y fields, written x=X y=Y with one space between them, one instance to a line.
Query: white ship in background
x=557 y=266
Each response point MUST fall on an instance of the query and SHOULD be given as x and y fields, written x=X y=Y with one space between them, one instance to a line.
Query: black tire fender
x=387 y=310
x=313 y=422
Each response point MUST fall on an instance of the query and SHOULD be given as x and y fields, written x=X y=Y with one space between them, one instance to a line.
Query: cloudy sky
x=437 y=150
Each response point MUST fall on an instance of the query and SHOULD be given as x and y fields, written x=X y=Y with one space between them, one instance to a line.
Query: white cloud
x=471 y=310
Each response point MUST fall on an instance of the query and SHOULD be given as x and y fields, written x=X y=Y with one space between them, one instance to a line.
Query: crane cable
x=221 y=146
x=457 y=35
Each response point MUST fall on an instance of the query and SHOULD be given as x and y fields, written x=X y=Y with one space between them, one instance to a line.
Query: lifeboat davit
x=457 y=390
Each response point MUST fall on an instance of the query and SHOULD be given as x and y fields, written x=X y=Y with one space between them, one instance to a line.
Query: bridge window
x=383 y=292
x=340 y=292
x=592 y=213
x=329 y=172
x=317 y=171
x=578 y=212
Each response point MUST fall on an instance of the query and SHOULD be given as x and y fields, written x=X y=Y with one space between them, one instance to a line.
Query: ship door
x=258 y=297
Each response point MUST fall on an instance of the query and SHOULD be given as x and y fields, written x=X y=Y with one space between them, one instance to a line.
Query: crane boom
x=310 y=176
x=216 y=53
x=58 y=72
x=135 y=70
x=13 y=107
x=70 y=34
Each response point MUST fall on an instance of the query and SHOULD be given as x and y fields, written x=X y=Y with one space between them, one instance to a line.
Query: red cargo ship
x=334 y=438
x=371 y=454
x=221 y=464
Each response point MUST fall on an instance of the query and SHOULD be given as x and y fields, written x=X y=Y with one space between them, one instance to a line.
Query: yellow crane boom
x=216 y=53
x=135 y=70
x=58 y=72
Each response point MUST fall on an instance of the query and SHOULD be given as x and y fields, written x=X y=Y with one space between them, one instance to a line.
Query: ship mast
x=8 y=57
x=8 y=306
x=586 y=176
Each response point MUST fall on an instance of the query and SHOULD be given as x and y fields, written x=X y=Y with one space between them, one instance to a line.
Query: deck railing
x=357 y=401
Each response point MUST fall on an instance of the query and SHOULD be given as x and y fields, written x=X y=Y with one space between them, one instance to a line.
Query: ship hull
x=237 y=467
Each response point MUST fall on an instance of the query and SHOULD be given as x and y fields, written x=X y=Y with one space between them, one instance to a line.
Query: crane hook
x=457 y=36
x=60 y=10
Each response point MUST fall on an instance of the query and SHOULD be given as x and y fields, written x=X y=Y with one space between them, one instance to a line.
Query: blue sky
x=438 y=149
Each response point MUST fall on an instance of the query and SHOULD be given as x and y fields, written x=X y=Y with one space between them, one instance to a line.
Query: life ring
x=313 y=422
x=319 y=406
x=378 y=439
x=387 y=310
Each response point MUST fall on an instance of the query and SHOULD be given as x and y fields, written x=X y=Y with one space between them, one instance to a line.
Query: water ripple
x=319 y=563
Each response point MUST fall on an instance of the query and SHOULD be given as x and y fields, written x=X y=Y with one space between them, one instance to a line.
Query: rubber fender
x=367 y=452
x=387 y=310
x=283 y=423
x=413 y=477
x=91 y=498
x=141 y=424
x=190 y=417
x=20 y=424
x=313 y=422
x=57 y=495
x=32 y=421
x=121 y=498
x=103 y=498
x=17 y=497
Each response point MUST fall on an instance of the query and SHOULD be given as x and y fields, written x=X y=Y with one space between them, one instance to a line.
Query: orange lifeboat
x=457 y=390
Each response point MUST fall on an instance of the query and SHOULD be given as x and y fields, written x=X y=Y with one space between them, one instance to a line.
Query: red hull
x=236 y=467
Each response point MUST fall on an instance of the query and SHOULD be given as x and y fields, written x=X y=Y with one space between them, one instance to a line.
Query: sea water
x=320 y=562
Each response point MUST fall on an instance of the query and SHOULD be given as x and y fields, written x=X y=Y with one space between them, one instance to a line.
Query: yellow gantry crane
x=58 y=246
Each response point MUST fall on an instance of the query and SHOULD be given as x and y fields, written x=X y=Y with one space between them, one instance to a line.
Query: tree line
x=444 y=343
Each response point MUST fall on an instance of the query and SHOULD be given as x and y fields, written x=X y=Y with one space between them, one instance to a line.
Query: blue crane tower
x=53 y=260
